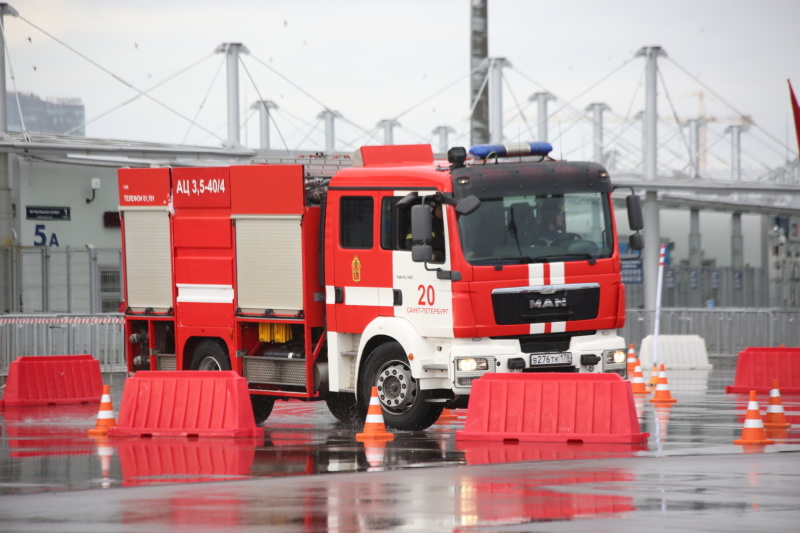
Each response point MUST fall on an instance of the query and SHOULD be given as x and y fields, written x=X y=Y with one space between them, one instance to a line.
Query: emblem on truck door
x=356 y=266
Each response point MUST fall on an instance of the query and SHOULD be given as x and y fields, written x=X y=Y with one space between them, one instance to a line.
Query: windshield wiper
x=561 y=257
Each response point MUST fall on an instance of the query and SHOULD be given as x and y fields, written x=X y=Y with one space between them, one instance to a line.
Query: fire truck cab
x=397 y=271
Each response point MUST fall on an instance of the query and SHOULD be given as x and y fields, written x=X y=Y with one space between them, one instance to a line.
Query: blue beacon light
x=483 y=151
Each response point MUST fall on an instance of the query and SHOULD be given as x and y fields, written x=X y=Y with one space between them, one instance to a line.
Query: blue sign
x=632 y=271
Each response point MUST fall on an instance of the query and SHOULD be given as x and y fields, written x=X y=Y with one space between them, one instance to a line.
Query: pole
x=652 y=232
x=263 y=107
x=6 y=209
x=388 y=130
x=442 y=132
x=330 y=137
x=496 y=98
x=478 y=66
x=232 y=51
x=597 y=110
x=657 y=318
x=541 y=100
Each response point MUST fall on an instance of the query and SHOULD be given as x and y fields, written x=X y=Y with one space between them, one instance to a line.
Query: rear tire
x=404 y=404
x=343 y=406
x=209 y=355
x=262 y=407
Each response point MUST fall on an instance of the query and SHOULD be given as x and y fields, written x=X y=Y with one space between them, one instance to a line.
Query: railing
x=98 y=335
x=725 y=331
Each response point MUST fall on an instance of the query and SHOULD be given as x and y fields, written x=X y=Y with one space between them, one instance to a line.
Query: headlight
x=615 y=357
x=472 y=364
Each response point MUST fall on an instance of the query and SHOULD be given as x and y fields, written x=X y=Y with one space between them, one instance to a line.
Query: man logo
x=547 y=303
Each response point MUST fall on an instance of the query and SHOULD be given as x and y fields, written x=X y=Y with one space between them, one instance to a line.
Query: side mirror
x=421 y=230
x=421 y=253
x=468 y=205
x=636 y=242
x=635 y=216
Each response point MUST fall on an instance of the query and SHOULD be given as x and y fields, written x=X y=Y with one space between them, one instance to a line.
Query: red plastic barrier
x=552 y=407
x=53 y=379
x=186 y=403
x=757 y=367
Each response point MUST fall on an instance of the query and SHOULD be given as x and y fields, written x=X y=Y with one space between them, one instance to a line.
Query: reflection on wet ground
x=47 y=448
x=688 y=473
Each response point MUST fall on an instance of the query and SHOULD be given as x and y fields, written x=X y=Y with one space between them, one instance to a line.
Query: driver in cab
x=551 y=222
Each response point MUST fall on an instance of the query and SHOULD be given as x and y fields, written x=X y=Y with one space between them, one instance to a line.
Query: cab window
x=355 y=230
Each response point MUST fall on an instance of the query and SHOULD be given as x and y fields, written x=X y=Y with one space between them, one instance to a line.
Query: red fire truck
x=393 y=270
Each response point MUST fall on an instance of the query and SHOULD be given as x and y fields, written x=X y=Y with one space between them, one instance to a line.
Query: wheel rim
x=397 y=389
x=209 y=363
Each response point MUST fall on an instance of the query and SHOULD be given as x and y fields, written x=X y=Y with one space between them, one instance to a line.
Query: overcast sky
x=374 y=60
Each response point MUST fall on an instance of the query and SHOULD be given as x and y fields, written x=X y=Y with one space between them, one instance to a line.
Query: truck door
x=361 y=288
x=419 y=296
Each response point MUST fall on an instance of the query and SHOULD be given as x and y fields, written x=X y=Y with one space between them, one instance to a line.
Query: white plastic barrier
x=675 y=352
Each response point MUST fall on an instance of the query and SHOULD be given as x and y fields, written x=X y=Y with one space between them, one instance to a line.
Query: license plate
x=551 y=359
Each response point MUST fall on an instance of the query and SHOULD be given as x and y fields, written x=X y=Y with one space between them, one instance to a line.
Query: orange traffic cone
x=662 y=389
x=637 y=384
x=775 y=417
x=653 y=377
x=753 y=431
x=448 y=415
x=105 y=417
x=632 y=359
x=374 y=428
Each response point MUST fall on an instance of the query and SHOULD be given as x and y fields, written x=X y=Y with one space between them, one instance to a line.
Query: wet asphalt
x=309 y=473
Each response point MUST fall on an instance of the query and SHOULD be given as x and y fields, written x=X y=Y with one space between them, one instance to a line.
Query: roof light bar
x=484 y=151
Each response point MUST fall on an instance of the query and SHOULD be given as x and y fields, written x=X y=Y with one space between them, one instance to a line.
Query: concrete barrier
x=53 y=380
x=552 y=407
x=186 y=404
x=675 y=352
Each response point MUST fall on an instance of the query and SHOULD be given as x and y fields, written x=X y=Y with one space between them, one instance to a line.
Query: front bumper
x=469 y=359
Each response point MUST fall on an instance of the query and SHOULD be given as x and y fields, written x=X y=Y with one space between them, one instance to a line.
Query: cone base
x=642 y=392
x=663 y=400
x=753 y=441
x=361 y=437
x=98 y=432
x=777 y=425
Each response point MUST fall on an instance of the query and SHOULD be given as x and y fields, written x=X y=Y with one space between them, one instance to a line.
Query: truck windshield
x=574 y=226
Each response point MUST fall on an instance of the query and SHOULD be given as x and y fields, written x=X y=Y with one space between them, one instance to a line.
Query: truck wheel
x=262 y=407
x=404 y=403
x=343 y=406
x=208 y=355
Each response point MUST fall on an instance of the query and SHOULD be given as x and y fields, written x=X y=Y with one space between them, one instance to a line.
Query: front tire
x=404 y=404
x=209 y=355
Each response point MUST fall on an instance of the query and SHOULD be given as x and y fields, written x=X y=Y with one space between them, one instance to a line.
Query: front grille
x=524 y=306
x=547 y=343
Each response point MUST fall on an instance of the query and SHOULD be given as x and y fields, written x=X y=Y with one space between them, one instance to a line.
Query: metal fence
x=725 y=331
x=44 y=279
x=98 y=335
x=89 y=280
x=724 y=287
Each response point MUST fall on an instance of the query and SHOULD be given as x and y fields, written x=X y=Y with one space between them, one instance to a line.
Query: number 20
x=427 y=296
